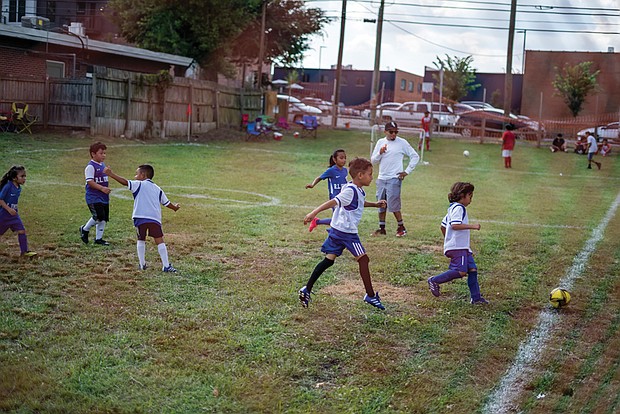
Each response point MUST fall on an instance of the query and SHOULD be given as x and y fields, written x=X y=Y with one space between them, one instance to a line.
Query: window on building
x=360 y=81
x=420 y=87
x=410 y=86
x=403 y=84
x=55 y=69
x=305 y=77
x=17 y=9
x=324 y=78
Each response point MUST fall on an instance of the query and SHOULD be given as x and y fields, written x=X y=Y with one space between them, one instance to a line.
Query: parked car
x=479 y=104
x=495 y=120
x=380 y=107
x=459 y=108
x=609 y=131
x=324 y=106
x=297 y=109
x=411 y=113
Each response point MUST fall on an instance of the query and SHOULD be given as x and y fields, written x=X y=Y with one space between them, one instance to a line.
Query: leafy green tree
x=574 y=84
x=218 y=32
x=458 y=77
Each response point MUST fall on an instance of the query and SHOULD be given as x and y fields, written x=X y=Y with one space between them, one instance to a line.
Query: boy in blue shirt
x=97 y=195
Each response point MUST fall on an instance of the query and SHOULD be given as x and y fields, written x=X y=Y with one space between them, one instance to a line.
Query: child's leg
x=90 y=223
x=472 y=283
x=23 y=241
x=141 y=248
x=99 y=228
x=163 y=251
x=446 y=276
x=319 y=269
x=362 y=262
x=325 y=221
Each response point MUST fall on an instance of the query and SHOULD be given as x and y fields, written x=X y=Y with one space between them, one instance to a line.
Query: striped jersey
x=456 y=239
x=349 y=208
x=147 y=199
x=94 y=172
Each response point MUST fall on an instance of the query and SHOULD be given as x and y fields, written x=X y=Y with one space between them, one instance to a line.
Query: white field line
x=270 y=201
x=502 y=399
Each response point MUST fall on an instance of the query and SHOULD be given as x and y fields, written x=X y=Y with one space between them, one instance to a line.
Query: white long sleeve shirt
x=391 y=161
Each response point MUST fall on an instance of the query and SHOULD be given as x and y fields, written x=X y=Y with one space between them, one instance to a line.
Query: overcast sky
x=415 y=32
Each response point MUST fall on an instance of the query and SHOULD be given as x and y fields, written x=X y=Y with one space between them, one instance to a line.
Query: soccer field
x=83 y=330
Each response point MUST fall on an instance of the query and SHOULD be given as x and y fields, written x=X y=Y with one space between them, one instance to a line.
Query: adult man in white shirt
x=389 y=153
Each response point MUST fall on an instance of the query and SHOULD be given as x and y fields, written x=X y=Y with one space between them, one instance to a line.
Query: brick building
x=540 y=71
x=39 y=53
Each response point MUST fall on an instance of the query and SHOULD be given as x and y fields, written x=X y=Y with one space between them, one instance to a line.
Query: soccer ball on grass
x=466 y=153
x=559 y=298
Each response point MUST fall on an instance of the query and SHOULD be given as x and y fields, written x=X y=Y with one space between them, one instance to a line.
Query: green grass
x=82 y=330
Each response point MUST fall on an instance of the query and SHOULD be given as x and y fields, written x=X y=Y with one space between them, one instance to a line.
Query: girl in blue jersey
x=336 y=176
x=10 y=189
x=455 y=227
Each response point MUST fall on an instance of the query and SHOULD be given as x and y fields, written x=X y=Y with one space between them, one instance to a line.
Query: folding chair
x=22 y=119
x=309 y=125
x=282 y=124
x=255 y=131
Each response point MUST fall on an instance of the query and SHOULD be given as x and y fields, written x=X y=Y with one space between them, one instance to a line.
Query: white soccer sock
x=100 y=226
x=163 y=253
x=91 y=222
x=141 y=247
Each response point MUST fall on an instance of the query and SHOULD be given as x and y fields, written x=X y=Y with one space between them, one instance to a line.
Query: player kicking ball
x=147 y=201
x=348 y=208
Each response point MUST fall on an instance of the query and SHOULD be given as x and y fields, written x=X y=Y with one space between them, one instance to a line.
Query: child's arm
x=378 y=204
x=315 y=182
x=107 y=170
x=465 y=226
x=443 y=231
x=92 y=184
x=5 y=206
x=325 y=206
x=173 y=206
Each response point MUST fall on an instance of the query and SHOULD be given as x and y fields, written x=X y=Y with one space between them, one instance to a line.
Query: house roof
x=62 y=39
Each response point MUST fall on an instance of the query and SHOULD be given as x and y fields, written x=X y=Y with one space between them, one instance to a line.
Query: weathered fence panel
x=115 y=102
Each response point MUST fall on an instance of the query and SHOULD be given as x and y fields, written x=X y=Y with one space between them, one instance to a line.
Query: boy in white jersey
x=455 y=228
x=348 y=208
x=148 y=199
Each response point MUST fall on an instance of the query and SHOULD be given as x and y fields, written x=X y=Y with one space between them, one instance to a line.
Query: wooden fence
x=115 y=103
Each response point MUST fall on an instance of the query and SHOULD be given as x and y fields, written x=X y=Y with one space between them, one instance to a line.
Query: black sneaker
x=380 y=232
x=83 y=235
x=304 y=296
x=143 y=267
x=374 y=301
x=102 y=242
x=481 y=301
x=433 y=287
x=169 y=269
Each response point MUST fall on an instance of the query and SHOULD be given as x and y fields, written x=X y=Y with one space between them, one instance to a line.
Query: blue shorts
x=461 y=260
x=337 y=241
x=591 y=155
x=11 y=222
x=389 y=190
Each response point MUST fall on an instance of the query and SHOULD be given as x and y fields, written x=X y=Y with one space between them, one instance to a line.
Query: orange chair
x=22 y=119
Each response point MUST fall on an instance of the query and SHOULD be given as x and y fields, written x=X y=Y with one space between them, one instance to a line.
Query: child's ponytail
x=11 y=174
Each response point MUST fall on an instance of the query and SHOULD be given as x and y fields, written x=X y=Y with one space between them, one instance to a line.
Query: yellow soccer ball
x=559 y=297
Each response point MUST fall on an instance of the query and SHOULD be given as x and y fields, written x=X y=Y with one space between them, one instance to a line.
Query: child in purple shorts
x=348 y=208
x=10 y=190
x=455 y=227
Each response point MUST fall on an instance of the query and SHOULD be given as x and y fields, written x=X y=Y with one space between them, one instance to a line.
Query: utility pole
x=376 y=74
x=261 y=47
x=343 y=18
x=508 y=79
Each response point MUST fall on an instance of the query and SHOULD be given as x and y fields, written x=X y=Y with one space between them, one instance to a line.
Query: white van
x=411 y=114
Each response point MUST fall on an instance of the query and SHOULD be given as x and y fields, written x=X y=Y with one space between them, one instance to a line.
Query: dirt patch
x=351 y=289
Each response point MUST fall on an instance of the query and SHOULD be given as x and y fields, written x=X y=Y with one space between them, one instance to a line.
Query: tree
x=218 y=32
x=289 y=25
x=574 y=84
x=458 y=77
